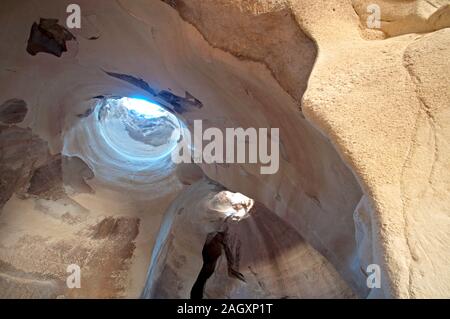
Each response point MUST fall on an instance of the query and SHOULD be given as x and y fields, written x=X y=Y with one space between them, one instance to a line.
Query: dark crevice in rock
x=172 y=3
x=48 y=37
x=179 y=104
x=133 y=80
x=13 y=111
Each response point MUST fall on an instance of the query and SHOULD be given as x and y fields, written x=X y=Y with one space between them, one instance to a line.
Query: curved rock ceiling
x=363 y=179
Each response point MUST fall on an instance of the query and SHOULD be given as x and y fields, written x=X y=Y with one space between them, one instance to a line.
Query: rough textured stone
x=13 y=111
x=49 y=37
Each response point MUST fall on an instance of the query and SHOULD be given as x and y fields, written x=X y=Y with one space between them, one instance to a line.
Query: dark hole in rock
x=49 y=37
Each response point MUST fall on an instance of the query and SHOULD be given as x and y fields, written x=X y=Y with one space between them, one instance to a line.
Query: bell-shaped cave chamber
x=204 y=243
x=157 y=224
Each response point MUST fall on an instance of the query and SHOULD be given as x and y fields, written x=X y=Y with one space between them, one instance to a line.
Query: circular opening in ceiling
x=138 y=129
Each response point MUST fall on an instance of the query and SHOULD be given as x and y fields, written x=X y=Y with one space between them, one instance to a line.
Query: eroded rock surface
x=260 y=256
x=13 y=111
x=48 y=36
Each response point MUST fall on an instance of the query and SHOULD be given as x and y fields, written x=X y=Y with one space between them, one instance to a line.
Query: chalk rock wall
x=272 y=259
